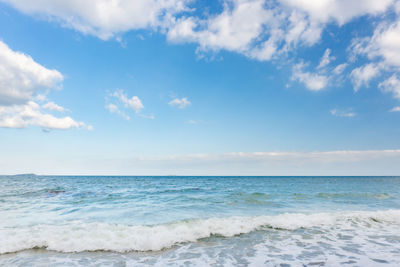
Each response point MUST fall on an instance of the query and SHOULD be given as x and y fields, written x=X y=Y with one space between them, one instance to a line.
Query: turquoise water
x=199 y=221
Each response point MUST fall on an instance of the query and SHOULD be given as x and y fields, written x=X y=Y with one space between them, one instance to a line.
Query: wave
x=36 y=193
x=380 y=196
x=79 y=236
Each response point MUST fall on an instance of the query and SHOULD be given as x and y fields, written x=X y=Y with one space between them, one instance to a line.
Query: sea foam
x=79 y=236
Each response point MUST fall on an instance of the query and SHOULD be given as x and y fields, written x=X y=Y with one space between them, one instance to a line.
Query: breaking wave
x=79 y=236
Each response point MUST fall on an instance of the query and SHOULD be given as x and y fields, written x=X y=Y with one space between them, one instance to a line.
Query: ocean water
x=199 y=221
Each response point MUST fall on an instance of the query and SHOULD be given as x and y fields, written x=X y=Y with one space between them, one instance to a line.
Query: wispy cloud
x=150 y=117
x=362 y=76
x=395 y=109
x=119 y=103
x=133 y=102
x=317 y=156
x=192 y=122
x=112 y=108
x=342 y=113
x=326 y=59
x=180 y=103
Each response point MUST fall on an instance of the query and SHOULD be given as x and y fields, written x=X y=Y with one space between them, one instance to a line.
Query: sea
x=199 y=221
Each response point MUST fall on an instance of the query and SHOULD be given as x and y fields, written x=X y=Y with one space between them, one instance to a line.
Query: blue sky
x=237 y=87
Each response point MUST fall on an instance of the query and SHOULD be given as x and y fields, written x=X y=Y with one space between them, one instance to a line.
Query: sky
x=185 y=87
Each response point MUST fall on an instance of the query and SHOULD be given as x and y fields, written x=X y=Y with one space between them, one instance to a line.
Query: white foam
x=79 y=236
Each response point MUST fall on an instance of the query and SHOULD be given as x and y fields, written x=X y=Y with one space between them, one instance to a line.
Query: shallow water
x=198 y=221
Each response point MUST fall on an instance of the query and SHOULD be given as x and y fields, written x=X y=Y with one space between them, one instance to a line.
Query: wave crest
x=79 y=236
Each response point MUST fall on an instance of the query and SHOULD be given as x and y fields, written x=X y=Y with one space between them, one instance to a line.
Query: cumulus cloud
x=340 y=11
x=21 y=77
x=265 y=29
x=30 y=114
x=259 y=29
x=103 y=18
x=180 y=103
x=312 y=81
x=22 y=80
x=233 y=29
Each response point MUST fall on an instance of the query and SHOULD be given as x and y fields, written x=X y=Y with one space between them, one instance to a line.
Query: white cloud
x=317 y=156
x=326 y=59
x=121 y=103
x=265 y=29
x=342 y=113
x=133 y=103
x=233 y=29
x=340 y=11
x=103 y=18
x=112 y=108
x=22 y=80
x=53 y=106
x=191 y=122
x=383 y=45
x=150 y=117
x=180 y=103
x=339 y=162
x=340 y=68
x=22 y=116
x=361 y=76
x=260 y=29
x=391 y=85
x=383 y=51
x=395 y=109
x=313 y=81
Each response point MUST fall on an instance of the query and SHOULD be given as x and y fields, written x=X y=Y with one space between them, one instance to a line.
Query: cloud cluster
x=321 y=76
x=258 y=29
x=120 y=103
x=103 y=18
x=22 y=82
x=382 y=53
x=264 y=30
